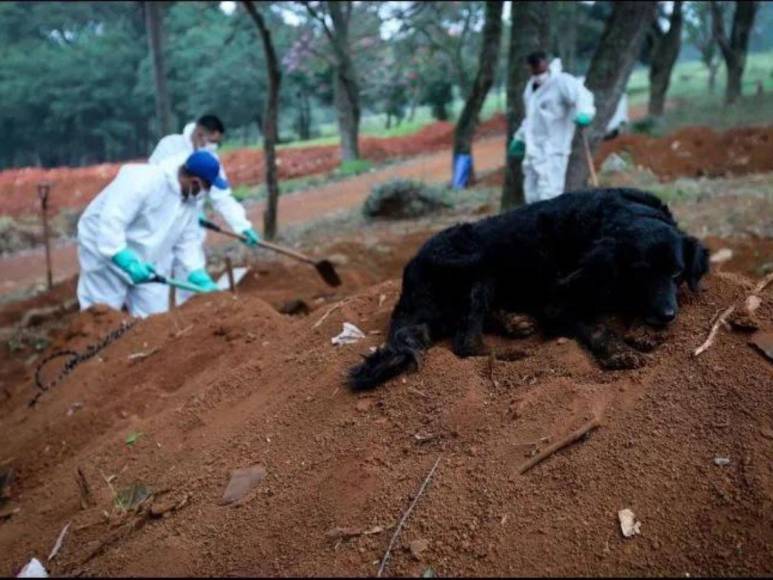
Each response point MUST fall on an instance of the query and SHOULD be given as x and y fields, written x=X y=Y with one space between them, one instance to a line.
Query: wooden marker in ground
x=230 y=271
x=43 y=191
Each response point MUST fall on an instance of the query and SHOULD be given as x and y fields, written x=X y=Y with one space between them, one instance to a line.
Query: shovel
x=177 y=284
x=593 y=178
x=324 y=267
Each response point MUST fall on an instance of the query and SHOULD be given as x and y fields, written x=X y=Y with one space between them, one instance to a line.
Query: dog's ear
x=696 y=261
x=596 y=266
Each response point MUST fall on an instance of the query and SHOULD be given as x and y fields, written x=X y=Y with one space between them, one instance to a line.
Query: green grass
x=374 y=125
x=690 y=80
x=355 y=167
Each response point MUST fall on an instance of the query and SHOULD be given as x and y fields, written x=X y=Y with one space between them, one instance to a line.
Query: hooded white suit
x=547 y=130
x=142 y=209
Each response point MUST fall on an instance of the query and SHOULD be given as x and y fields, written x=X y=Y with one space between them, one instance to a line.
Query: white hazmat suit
x=547 y=130
x=222 y=200
x=142 y=209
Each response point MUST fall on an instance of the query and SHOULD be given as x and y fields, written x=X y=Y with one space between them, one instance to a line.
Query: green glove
x=517 y=149
x=583 y=119
x=202 y=219
x=130 y=263
x=252 y=237
x=203 y=280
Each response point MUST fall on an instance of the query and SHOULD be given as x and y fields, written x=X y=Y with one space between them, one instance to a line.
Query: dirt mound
x=697 y=152
x=75 y=187
x=225 y=382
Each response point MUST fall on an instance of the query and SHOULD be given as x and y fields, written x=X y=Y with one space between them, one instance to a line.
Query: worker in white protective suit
x=554 y=102
x=145 y=218
x=206 y=133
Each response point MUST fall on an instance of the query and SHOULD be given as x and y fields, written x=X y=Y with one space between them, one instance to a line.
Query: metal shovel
x=324 y=267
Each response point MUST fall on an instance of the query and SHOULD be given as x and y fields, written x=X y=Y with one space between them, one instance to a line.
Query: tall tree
x=154 y=23
x=700 y=33
x=489 y=57
x=270 y=121
x=608 y=75
x=664 y=54
x=528 y=32
x=734 y=48
x=346 y=85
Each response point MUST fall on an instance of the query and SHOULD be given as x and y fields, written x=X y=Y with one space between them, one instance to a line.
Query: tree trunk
x=304 y=116
x=664 y=56
x=527 y=34
x=484 y=79
x=153 y=23
x=734 y=49
x=713 y=67
x=347 y=90
x=610 y=68
x=270 y=122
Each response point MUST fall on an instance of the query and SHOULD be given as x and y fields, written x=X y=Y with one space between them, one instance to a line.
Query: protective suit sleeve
x=576 y=95
x=188 y=250
x=123 y=201
x=225 y=204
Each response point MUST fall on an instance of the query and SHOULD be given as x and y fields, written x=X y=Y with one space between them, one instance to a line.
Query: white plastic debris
x=33 y=569
x=349 y=335
x=720 y=256
x=239 y=273
x=721 y=461
x=628 y=524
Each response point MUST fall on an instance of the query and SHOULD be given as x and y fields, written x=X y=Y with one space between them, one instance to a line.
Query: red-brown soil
x=697 y=152
x=75 y=187
x=232 y=383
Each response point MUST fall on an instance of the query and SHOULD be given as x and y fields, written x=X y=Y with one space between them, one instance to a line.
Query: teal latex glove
x=252 y=237
x=130 y=263
x=203 y=280
x=583 y=119
x=202 y=218
x=517 y=149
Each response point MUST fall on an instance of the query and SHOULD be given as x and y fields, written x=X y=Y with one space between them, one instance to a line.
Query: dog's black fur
x=564 y=261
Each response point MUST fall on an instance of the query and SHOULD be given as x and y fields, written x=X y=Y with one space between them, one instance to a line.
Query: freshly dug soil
x=697 y=152
x=226 y=383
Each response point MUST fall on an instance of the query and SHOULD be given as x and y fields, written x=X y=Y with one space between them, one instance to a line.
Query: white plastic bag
x=349 y=335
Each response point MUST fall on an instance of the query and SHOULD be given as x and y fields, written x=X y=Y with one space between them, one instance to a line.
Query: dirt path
x=27 y=268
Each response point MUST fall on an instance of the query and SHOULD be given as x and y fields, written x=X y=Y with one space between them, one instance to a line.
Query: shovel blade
x=328 y=272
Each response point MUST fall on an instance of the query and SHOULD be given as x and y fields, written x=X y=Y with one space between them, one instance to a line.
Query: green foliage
x=354 y=167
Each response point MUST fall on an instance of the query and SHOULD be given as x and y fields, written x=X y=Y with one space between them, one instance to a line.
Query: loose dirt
x=226 y=382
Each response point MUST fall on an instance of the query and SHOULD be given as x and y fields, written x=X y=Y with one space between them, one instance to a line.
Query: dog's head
x=657 y=259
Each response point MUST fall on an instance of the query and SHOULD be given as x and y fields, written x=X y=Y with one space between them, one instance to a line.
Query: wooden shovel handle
x=286 y=251
x=594 y=179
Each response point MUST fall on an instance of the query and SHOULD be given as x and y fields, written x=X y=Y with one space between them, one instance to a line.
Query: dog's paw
x=624 y=359
x=470 y=347
x=516 y=325
x=644 y=339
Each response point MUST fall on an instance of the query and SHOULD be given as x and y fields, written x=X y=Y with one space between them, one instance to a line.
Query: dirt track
x=27 y=268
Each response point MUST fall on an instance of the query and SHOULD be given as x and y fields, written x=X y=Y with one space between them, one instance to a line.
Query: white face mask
x=541 y=78
x=210 y=146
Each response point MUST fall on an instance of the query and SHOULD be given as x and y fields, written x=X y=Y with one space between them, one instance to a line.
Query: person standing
x=554 y=102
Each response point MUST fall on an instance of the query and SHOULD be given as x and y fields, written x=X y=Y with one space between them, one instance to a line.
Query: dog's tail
x=402 y=351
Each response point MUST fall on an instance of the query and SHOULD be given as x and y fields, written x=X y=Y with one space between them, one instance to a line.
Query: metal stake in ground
x=43 y=191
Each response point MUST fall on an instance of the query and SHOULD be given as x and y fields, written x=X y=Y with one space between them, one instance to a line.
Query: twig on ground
x=404 y=518
x=763 y=284
x=179 y=333
x=332 y=309
x=714 y=329
x=140 y=355
x=560 y=444
x=418 y=392
x=58 y=544
x=492 y=359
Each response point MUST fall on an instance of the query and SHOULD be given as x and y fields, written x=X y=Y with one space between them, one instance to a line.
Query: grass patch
x=354 y=167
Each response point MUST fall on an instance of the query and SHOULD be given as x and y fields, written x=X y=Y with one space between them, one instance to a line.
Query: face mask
x=210 y=146
x=540 y=78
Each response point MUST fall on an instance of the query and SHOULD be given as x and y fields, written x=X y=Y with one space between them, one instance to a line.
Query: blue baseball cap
x=206 y=166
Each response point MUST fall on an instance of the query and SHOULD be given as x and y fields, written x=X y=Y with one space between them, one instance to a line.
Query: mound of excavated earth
x=160 y=420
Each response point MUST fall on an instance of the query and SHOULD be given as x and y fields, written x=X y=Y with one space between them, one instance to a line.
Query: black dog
x=564 y=261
